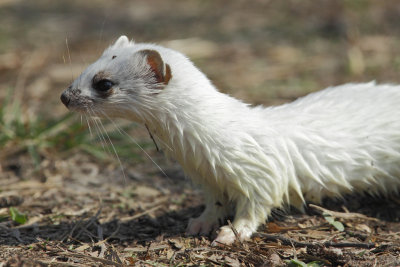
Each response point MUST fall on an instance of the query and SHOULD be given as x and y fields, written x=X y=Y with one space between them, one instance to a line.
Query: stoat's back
x=343 y=139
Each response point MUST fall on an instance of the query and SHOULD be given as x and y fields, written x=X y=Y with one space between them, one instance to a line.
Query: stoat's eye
x=103 y=85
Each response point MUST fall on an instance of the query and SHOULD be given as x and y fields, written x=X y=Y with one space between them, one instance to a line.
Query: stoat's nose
x=65 y=99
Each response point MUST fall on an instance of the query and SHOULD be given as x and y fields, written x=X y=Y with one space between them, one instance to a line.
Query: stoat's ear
x=161 y=71
x=121 y=42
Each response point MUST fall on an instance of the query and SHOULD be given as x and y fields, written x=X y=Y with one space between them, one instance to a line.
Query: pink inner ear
x=156 y=65
x=168 y=74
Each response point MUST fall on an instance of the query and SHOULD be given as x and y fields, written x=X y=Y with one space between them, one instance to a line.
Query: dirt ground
x=63 y=203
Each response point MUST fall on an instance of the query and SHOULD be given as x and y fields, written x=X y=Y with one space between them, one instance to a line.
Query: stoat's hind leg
x=211 y=219
x=248 y=217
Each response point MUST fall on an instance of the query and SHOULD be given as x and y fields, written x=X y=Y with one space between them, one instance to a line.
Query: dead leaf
x=273 y=227
x=82 y=248
x=363 y=228
x=145 y=191
x=275 y=260
x=177 y=244
x=232 y=262
x=131 y=260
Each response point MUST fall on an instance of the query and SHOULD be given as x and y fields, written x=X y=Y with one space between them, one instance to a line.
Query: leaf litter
x=75 y=222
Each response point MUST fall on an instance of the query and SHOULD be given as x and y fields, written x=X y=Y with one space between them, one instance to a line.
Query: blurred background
x=262 y=51
x=256 y=50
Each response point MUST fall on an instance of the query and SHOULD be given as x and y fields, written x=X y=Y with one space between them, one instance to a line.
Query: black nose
x=65 y=99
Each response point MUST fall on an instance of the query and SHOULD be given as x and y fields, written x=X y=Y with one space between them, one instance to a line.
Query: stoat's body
x=248 y=159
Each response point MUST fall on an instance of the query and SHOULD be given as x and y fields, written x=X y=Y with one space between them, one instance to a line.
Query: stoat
x=247 y=159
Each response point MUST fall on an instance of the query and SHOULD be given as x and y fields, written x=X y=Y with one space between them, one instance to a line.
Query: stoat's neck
x=197 y=126
x=196 y=116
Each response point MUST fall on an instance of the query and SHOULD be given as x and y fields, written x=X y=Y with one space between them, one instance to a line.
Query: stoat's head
x=126 y=78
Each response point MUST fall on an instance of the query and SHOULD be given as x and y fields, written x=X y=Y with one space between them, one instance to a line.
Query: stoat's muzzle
x=74 y=100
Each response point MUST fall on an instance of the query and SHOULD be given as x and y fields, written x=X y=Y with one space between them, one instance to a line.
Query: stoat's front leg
x=211 y=219
x=248 y=216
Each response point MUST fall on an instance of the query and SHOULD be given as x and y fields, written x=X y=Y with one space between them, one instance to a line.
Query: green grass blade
x=17 y=217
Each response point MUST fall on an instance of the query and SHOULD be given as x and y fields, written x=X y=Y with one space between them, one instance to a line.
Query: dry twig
x=136 y=216
x=290 y=241
x=344 y=215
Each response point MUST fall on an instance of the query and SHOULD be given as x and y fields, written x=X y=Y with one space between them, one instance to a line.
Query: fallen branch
x=344 y=215
x=105 y=261
x=290 y=241
x=145 y=249
x=235 y=233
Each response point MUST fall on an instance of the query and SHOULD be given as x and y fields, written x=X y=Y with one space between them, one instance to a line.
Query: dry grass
x=80 y=209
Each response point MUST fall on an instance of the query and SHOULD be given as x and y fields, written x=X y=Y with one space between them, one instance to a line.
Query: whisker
x=115 y=151
x=99 y=133
x=121 y=131
x=158 y=140
x=152 y=137
x=69 y=57
x=88 y=124
x=101 y=31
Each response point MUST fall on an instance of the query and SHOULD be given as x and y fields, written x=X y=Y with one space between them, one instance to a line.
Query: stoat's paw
x=227 y=236
x=201 y=226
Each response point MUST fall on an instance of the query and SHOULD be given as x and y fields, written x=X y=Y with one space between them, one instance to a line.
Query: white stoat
x=248 y=159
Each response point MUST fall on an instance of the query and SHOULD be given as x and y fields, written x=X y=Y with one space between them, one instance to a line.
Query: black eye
x=103 y=85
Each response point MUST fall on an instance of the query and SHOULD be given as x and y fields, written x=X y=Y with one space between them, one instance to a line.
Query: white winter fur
x=252 y=159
